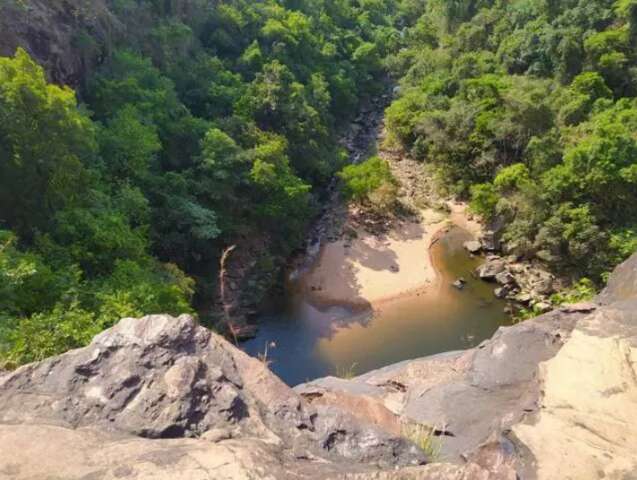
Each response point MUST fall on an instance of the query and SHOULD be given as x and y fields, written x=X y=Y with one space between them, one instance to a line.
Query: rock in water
x=459 y=283
x=472 y=246
x=491 y=268
x=502 y=292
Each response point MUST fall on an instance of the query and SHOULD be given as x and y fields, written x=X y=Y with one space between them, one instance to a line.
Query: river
x=305 y=341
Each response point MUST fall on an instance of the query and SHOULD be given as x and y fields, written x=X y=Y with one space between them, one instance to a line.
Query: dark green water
x=314 y=341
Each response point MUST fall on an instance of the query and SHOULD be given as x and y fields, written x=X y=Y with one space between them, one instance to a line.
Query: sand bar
x=372 y=269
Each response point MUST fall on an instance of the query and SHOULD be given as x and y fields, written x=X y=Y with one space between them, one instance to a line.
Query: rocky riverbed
x=525 y=284
x=395 y=242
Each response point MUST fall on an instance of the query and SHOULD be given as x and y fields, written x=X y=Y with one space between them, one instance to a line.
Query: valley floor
x=376 y=262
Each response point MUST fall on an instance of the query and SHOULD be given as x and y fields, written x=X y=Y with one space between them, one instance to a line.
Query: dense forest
x=528 y=108
x=209 y=120
x=205 y=122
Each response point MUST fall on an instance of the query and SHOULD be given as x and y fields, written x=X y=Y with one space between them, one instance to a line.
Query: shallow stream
x=306 y=341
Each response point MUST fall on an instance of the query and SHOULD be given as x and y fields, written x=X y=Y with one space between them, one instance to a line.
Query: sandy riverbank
x=372 y=269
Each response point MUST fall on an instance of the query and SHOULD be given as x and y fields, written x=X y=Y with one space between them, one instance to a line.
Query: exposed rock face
x=472 y=396
x=57 y=34
x=472 y=246
x=490 y=241
x=161 y=377
x=155 y=378
x=491 y=268
x=587 y=426
x=163 y=398
x=553 y=397
x=622 y=284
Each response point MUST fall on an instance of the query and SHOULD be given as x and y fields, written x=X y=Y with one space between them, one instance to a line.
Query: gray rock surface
x=48 y=31
x=490 y=240
x=554 y=394
x=524 y=283
x=161 y=377
x=622 y=284
x=470 y=395
x=472 y=246
x=162 y=398
x=492 y=267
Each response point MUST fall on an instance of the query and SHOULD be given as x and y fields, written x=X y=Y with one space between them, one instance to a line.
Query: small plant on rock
x=581 y=291
x=425 y=437
x=263 y=357
x=346 y=373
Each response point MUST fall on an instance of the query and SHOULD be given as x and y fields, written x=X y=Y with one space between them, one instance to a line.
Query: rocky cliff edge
x=161 y=397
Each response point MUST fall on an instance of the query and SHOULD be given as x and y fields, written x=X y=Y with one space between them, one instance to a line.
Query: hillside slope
x=192 y=128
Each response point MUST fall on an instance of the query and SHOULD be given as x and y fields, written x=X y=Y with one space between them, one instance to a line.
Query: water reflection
x=315 y=341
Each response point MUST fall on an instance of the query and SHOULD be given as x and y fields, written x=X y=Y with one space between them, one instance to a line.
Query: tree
x=484 y=198
x=45 y=143
x=47 y=333
x=284 y=196
x=128 y=145
x=579 y=98
x=529 y=107
x=370 y=182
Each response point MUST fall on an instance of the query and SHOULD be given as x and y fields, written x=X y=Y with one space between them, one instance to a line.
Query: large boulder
x=472 y=246
x=622 y=284
x=162 y=378
x=491 y=267
x=157 y=377
x=490 y=240
x=586 y=428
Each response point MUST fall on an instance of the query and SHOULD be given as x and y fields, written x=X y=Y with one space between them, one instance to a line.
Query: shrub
x=370 y=182
x=484 y=198
x=582 y=290
x=426 y=438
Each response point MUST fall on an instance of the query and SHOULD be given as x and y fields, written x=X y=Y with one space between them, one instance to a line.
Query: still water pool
x=314 y=341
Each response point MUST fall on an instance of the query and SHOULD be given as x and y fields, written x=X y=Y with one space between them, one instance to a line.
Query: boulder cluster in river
x=521 y=282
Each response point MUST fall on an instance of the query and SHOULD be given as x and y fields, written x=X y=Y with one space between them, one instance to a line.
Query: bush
x=47 y=333
x=581 y=291
x=484 y=198
x=370 y=182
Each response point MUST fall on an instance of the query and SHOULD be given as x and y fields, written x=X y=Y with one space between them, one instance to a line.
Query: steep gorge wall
x=70 y=38
x=66 y=37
